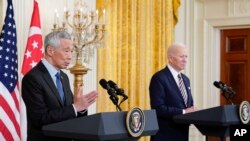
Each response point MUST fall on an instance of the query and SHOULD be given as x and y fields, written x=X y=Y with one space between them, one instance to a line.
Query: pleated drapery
x=138 y=33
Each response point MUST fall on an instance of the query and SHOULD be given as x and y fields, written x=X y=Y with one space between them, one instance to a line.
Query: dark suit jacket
x=43 y=101
x=166 y=99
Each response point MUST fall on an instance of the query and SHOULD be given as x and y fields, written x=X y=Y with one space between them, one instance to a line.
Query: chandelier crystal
x=87 y=33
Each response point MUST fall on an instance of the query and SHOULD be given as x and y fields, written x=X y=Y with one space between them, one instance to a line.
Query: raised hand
x=83 y=101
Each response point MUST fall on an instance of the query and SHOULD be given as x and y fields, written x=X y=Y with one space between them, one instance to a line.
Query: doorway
x=235 y=63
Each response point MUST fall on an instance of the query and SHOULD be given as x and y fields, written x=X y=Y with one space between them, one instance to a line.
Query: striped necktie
x=182 y=89
x=59 y=86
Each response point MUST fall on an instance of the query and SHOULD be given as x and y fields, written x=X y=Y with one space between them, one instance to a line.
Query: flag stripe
x=9 y=98
x=23 y=120
x=8 y=126
x=5 y=134
x=10 y=114
x=15 y=94
x=1 y=135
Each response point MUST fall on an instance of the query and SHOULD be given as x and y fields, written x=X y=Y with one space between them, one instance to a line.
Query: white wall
x=23 y=10
x=1 y=14
x=199 y=27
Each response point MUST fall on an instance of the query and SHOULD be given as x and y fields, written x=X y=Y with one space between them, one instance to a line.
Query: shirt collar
x=173 y=71
x=51 y=69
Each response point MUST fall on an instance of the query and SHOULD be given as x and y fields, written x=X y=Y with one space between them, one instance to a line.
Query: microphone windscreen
x=103 y=83
x=217 y=84
x=223 y=84
x=111 y=83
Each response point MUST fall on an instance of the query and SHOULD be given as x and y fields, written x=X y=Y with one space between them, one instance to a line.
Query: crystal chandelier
x=87 y=33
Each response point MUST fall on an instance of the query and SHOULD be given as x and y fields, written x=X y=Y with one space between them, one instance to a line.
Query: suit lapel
x=173 y=83
x=52 y=86
x=171 y=78
x=49 y=82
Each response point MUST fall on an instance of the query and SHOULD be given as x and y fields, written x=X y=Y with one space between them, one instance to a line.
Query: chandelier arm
x=90 y=23
x=87 y=24
x=85 y=31
x=67 y=21
x=90 y=42
x=101 y=36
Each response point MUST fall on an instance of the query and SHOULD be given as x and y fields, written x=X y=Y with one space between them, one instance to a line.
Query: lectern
x=213 y=121
x=101 y=127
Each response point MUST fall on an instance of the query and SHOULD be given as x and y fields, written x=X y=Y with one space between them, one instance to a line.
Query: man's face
x=178 y=59
x=62 y=55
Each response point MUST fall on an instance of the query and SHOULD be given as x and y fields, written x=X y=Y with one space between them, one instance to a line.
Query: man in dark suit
x=46 y=89
x=170 y=95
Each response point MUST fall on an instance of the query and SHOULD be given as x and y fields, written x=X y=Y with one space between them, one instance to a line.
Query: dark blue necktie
x=59 y=86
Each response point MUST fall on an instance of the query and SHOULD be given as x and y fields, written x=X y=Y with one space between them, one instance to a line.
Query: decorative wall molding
x=238 y=7
x=211 y=65
x=229 y=21
x=212 y=28
x=202 y=1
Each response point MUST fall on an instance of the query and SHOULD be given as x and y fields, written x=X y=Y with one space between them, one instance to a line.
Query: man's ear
x=170 y=58
x=50 y=50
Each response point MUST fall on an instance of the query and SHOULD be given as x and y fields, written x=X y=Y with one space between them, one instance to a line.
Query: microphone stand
x=118 y=108
x=113 y=96
x=228 y=97
x=115 y=102
x=125 y=97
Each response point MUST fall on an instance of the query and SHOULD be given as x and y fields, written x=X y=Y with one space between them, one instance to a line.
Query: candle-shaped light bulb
x=65 y=14
x=97 y=16
x=96 y=12
x=104 y=16
x=81 y=15
x=66 y=3
x=55 y=16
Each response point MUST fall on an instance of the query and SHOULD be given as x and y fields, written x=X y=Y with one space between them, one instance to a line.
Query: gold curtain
x=138 y=34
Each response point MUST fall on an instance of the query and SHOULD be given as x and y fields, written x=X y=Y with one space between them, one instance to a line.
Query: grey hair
x=172 y=47
x=53 y=38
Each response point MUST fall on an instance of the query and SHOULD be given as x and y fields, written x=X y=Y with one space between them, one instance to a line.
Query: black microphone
x=119 y=91
x=224 y=88
x=111 y=91
x=228 y=92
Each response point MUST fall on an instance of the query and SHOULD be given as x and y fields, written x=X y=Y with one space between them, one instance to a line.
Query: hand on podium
x=190 y=109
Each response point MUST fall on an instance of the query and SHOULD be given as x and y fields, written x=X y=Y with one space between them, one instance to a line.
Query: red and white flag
x=13 y=121
x=34 y=51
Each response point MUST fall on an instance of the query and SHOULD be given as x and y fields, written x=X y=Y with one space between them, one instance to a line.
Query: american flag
x=13 y=123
